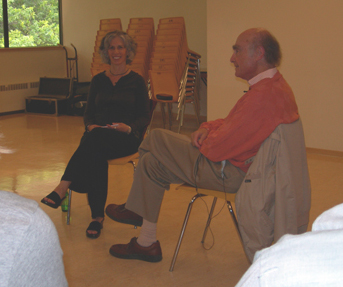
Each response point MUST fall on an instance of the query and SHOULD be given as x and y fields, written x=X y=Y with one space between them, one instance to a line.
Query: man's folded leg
x=167 y=158
x=161 y=149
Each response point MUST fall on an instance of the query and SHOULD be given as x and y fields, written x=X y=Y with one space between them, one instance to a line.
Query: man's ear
x=260 y=52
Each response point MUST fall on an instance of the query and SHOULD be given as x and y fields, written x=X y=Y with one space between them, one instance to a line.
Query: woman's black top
x=126 y=102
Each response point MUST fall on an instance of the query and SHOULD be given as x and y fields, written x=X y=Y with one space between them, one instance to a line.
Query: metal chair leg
x=190 y=205
x=182 y=112
x=69 y=206
x=133 y=164
x=170 y=115
x=209 y=219
x=134 y=169
x=163 y=114
x=234 y=219
x=151 y=121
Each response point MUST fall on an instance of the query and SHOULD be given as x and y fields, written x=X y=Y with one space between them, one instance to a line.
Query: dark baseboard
x=12 y=113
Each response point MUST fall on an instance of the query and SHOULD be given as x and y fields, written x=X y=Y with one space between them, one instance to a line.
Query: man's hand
x=198 y=137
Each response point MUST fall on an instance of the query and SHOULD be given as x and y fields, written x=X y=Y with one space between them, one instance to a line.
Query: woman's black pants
x=88 y=168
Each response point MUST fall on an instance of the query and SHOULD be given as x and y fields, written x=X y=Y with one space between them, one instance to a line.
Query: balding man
x=218 y=154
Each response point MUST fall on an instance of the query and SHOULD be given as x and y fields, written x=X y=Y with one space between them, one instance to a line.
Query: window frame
x=6 y=33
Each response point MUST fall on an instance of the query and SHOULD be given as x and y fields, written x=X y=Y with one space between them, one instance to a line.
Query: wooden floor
x=43 y=146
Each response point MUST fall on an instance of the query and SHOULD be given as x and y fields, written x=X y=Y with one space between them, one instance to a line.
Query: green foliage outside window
x=31 y=23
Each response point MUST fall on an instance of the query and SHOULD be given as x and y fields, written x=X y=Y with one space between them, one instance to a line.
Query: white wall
x=26 y=66
x=310 y=36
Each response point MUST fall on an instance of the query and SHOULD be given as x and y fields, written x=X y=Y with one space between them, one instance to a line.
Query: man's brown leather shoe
x=133 y=250
x=120 y=214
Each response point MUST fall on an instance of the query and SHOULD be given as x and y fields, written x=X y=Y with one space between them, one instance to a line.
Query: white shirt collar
x=266 y=74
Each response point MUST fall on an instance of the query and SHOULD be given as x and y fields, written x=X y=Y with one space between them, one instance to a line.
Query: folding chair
x=114 y=23
x=228 y=197
x=171 y=55
x=143 y=32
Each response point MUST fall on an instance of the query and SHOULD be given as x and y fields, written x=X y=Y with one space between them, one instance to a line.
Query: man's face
x=244 y=57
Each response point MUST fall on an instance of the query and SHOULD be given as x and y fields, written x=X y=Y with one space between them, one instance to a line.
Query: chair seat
x=215 y=193
x=123 y=160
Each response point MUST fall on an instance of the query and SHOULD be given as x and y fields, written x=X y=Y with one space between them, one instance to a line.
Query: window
x=30 y=23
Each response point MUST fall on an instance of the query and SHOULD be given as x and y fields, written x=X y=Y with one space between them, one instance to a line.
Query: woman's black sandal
x=55 y=198
x=94 y=226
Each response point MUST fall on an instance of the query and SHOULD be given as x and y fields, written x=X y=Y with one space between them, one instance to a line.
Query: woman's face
x=117 y=52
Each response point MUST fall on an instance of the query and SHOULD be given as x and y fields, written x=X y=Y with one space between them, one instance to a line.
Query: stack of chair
x=174 y=69
x=142 y=30
x=106 y=25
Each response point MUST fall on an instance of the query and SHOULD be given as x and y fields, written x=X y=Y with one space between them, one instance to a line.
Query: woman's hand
x=90 y=127
x=120 y=127
x=198 y=137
